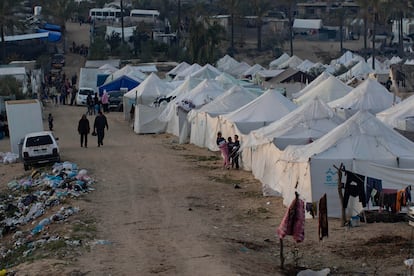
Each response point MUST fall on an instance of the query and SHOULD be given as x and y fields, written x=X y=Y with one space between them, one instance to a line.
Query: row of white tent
x=289 y=146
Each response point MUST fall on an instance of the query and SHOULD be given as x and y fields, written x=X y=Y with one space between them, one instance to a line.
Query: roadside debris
x=30 y=207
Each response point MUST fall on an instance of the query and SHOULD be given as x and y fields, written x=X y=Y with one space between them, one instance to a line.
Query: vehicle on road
x=82 y=95
x=39 y=148
x=116 y=100
x=58 y=61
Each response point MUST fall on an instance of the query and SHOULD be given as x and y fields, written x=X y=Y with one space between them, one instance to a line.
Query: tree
x=6 y=22
x=232 y=8
x=114 y=40
x=260 y=9
x=139 y=36
x=58 y=10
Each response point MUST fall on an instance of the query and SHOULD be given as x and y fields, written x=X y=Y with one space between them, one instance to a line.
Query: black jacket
x=83 y=126
x=100 y=122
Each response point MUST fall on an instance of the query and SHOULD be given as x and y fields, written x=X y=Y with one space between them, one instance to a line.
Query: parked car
x=82 y=95
x=116 y=100
x=58 y=61
x=39 y=148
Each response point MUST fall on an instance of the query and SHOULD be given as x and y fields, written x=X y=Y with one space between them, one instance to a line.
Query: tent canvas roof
x=205 y=92
x=323 y=76
x=369 y=95
x=187 y=72
x=275 y=63
x=253 y=70
x=177 y=69
x=206 y=72
x=268 y=73
x=226 y=63
x=149 y=90
x=305 y=66
x=327 y=91
x=396 y=115
x=359 y=70
x=362 y=137
x=309 y=121
x=270 y=106
x=230 y=100
x=128 y=70
x=187 y=85
x=347 y=58
x=292 y=62
x=117 y=84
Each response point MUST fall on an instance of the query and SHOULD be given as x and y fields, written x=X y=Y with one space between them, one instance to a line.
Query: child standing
x=50 y=121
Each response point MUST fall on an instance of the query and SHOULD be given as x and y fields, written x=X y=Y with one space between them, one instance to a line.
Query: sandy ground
x=169 y=209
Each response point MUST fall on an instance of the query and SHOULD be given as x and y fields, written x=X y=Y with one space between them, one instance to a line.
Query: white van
x=82 y=95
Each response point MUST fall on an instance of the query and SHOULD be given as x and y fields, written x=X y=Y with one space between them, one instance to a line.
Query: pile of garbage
x=24 y=209
x=8 y=157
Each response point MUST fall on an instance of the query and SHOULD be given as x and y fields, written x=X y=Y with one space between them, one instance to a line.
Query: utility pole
x=178 y=20
x=374 y=29
x=122 y=23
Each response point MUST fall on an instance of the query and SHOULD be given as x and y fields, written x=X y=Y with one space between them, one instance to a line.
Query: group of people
x=94 y=104
x=99 y=126
x=60 y=89
x=229 y=150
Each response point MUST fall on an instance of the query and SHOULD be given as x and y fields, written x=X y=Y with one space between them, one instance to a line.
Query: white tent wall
x=128 y=103
x=146 y=120
x=198 y=128
x=213 y=126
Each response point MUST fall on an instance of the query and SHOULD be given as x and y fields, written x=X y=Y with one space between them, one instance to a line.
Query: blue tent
x=52 y=27
x=53 y=36
x=117 y=84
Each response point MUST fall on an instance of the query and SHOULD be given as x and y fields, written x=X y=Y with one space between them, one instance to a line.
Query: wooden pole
x=341 y=196
x=282 y=257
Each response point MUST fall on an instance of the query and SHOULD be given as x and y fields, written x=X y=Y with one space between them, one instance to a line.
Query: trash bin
x=21 y=149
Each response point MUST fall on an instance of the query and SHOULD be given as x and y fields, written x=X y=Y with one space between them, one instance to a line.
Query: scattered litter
x=8 y=157
x=102 y=242
x=29 y=200
x=309 y=272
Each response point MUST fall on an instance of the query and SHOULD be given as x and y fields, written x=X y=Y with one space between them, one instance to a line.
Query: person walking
x=50 y=121
x=97 y=104
x=90 y=104
x=105 y=101
x=235 y=152
x=84 y=129
x=99 y=127
x=222 y=144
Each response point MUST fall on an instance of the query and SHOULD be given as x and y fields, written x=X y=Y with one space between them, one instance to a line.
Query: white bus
x=149 y=16
x=104 y=13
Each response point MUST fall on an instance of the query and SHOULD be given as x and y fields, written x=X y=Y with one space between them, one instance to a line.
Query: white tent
x=400 y=116
x=323 y=76
x=267 y=108
x=239 y=69
x=292 y=62
x=347 y=59
x=275 y=63
x=176 y=112
x=188 y=84
x=370 y=95
x=305 y=66
x=149 y=90
x=203 y=127
x=360 y=142
x=249 y=73
x=187 y=72
x=129 y=71
x=328 y=90
x=226 y=63
x=177 y=69
x=361 y=70
x=206 y=72
x=108 y=68
x=261 y=148
x=314 y=24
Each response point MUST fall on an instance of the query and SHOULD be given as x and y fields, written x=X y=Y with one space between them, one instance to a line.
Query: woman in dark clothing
x=84 y=129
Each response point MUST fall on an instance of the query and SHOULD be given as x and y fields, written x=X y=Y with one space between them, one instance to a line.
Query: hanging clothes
x=373 y=184
x=354 y=186
x=388 y=199
x=293 y=222
x=311 y=207
x=323 y=217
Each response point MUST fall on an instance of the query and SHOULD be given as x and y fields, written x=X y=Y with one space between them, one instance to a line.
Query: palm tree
x=232 y=7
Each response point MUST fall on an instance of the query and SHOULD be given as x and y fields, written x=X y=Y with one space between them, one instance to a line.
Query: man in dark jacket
x=84 y=129
x=99 y=127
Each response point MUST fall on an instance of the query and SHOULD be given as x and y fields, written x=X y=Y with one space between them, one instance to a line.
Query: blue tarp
x=53 y=36
x=121 y=82
x=52 y=27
